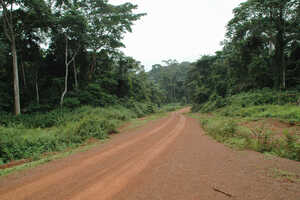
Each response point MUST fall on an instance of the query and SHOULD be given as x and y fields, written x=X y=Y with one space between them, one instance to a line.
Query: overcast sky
x=177 y=29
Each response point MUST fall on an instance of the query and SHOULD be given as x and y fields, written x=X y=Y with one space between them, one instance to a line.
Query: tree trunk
x=75 y=74
x=284 y=76
x=9 y=32
x=67 y=63
x=279 y=60
x=23 y=74
x=66 y=75
x=66 y=86
x=16 y=77
x=93 y=65
x=37 y=89
x=279 y=51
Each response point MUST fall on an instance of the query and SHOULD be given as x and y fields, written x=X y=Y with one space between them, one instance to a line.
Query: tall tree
x=271 y=22
x=73 y=28
x=107 y=25
x=8 y=27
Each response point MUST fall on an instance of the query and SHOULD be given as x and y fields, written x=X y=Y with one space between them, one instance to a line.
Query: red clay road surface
x=169 y=159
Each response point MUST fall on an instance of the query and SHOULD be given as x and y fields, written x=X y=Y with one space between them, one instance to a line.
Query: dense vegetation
x=63 y=77
x=255 y=76
x=31 y=136
x=233 y=132
x=66 y=53
x=171 y=79
x=262 y=50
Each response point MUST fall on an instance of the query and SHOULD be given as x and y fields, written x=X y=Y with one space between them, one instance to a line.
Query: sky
x=177 y=29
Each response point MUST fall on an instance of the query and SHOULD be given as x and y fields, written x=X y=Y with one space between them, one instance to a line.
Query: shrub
x=14 y=144
x=249 y=99
x=31 y=135
x=71 y=102
x=262 y=141
x=225 y=130
x=93 y=127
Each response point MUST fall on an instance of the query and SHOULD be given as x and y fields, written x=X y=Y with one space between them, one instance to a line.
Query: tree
x=170 y=78
x=108 y=23
x=8 y=27
x=72 y=26
x=271 y=23
x=21 y=19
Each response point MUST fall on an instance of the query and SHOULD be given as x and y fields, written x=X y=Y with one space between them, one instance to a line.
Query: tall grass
x=226 y=130
x=288 y=113
x=249 y=99
x=30 y=136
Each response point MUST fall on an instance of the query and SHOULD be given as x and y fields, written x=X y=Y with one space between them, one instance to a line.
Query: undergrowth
x=228 y=131
x=265 y=103
x=32 y=136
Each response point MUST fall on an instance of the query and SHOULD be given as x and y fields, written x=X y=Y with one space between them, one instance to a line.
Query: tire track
x=114 y=182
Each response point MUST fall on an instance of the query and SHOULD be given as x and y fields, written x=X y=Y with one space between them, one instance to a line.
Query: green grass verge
x=287 y=113
x=40 y=161
x=228 y=131
x=138 y=122
x=282 y=174
x=75 y=128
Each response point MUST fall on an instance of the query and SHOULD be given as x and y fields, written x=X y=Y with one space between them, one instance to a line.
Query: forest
x=62 y=71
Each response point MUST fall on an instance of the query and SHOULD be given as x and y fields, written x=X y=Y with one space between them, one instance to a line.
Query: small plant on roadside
x=230 y=128
x=282 y=174
x=262 y=139
x=292 y=146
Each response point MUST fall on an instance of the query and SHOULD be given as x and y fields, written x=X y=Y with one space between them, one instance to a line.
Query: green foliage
x=262 y=97
x=92 y=128
x=171 y=107
x=91 y=31
x=171 y=79
x=29 y=136
x=227 y=131
x=141 y=109
x=258 y=103
x=221 y=129
x=37 y=120
x=261 y=50
x=289 y=113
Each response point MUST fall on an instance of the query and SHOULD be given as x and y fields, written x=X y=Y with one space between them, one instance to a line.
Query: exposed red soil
x=170 y=158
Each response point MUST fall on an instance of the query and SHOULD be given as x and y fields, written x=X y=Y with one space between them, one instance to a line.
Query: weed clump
x=32 y=136
x=229 y=132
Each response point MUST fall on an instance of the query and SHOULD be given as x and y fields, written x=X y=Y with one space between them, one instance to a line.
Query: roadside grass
x=67 y=133
x=231 y=132
x=161 y=112
x=284 y=175
x=138 y=122
x=287 y=113
x=171 y=107
x=46 y=159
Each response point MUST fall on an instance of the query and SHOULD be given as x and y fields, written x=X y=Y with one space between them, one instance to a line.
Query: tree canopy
x=67 y=53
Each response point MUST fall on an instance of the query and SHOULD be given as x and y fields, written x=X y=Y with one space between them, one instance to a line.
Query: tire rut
x=117 y=180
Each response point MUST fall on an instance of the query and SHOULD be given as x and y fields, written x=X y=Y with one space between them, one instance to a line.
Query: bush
x=20 y=143
x=170 y=107
x=37 y=120
x=289 y=113
x=225 y=130
x=93 y=127
x=31 y=135
x=71 y=102
x=249 y=99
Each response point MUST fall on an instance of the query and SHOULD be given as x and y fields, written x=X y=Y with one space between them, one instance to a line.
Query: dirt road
x=167 y=159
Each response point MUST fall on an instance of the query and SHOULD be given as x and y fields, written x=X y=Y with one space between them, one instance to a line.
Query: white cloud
x=173 y=29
